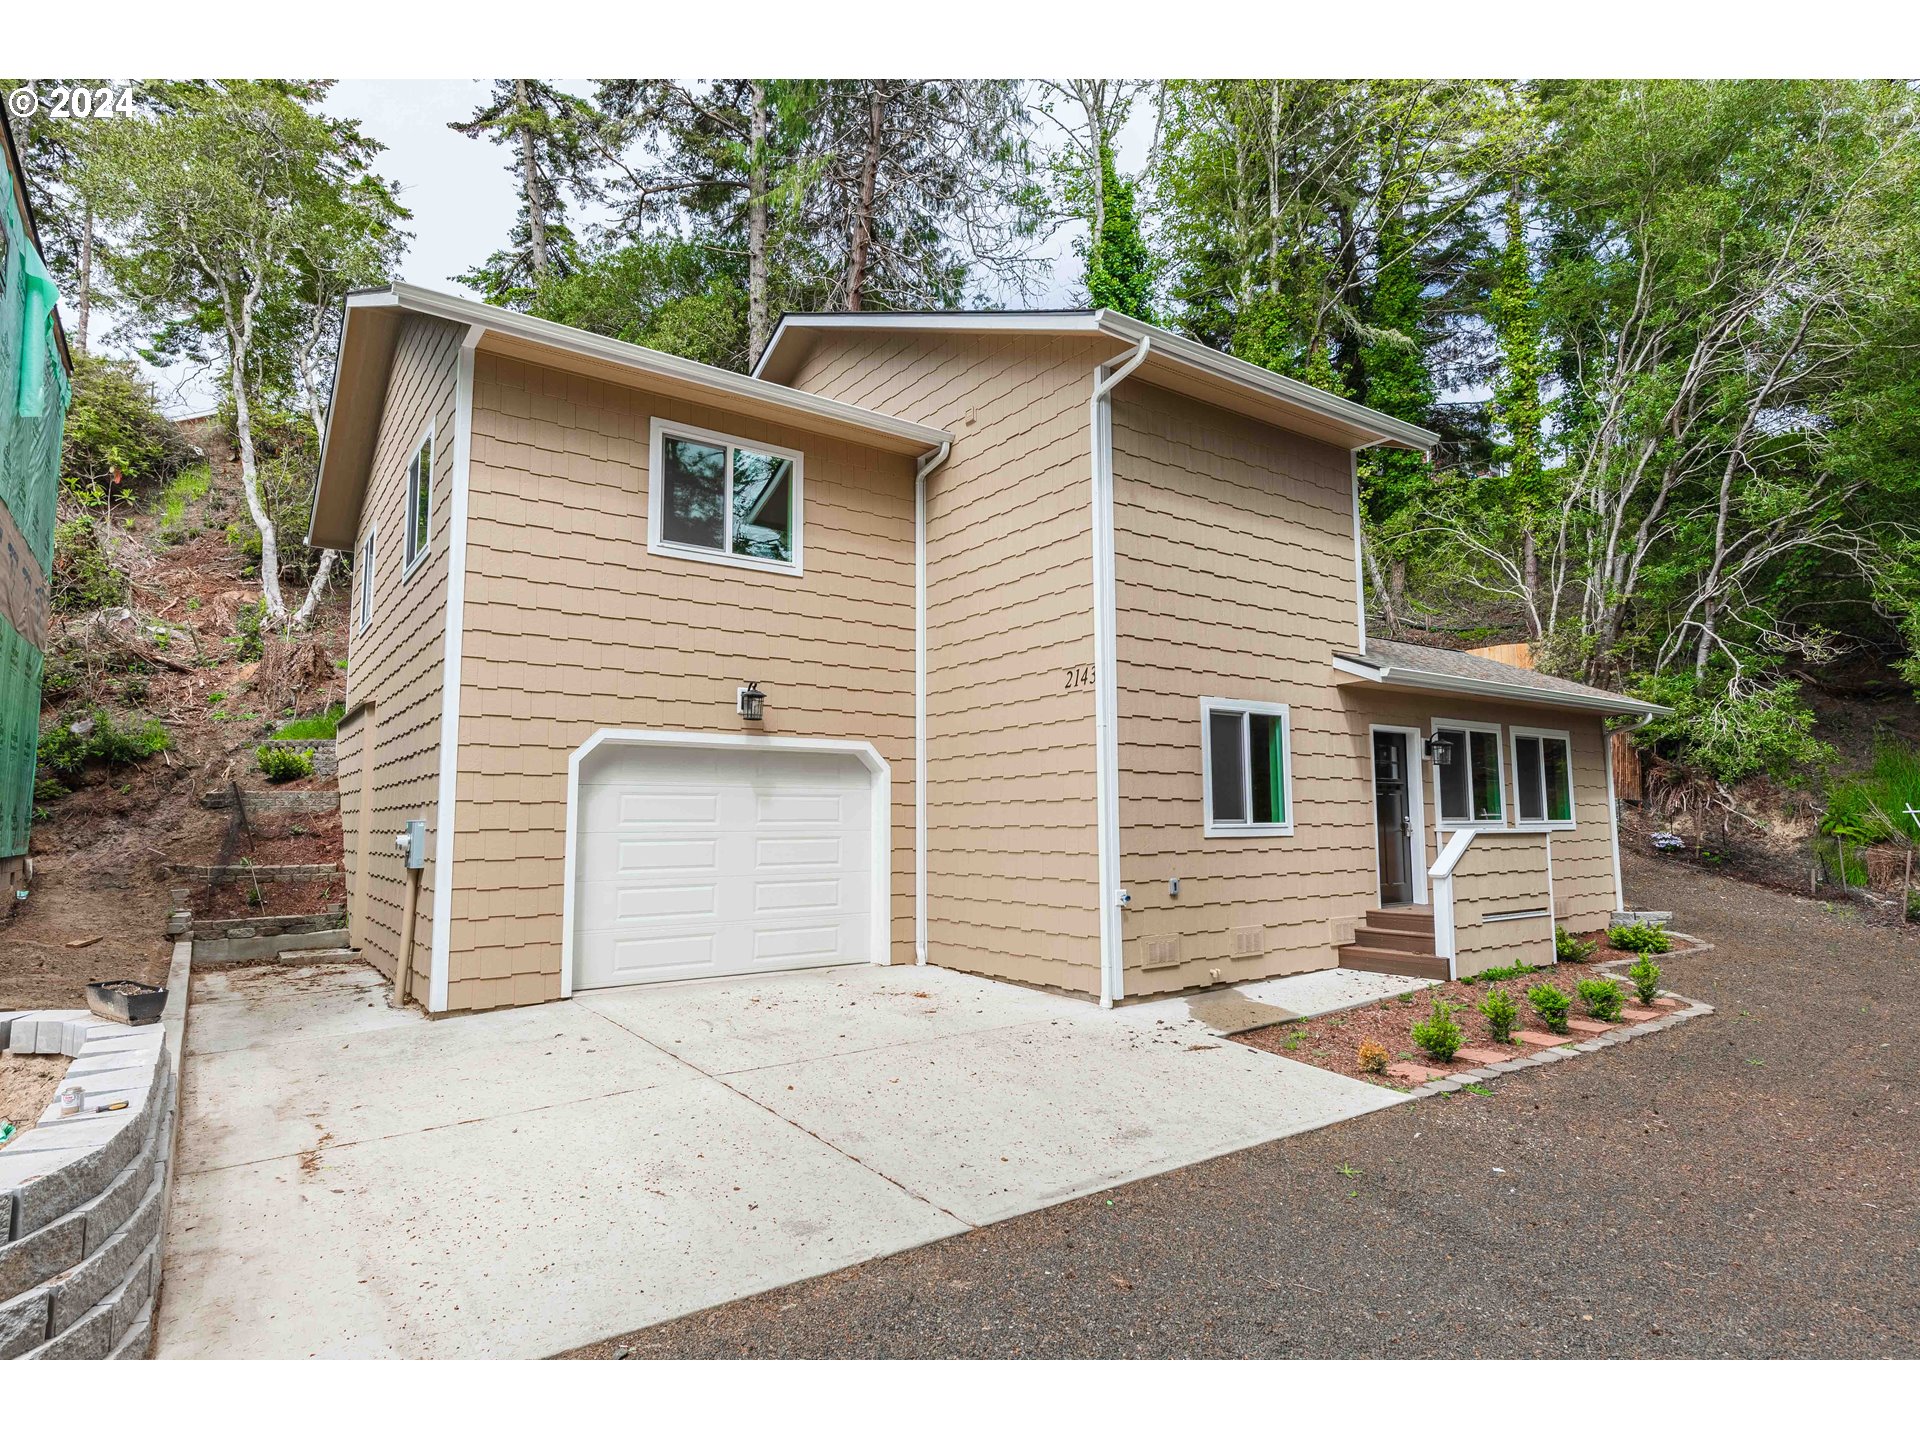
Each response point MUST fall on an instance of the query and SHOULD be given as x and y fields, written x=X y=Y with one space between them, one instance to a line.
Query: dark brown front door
x=1393 y=817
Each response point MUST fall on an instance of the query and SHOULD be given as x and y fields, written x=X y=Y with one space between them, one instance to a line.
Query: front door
x=1391 y=802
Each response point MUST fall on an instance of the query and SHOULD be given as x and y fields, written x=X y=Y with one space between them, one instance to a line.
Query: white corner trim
x=928 y=463
x=881 y=933
x=1359 y=556
x=1613 y=802
x=1106 y=690
x=657 y=544
x=444 y=827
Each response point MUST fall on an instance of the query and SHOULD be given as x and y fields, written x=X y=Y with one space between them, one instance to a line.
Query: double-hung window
x=367 y=552
x=1246 y=754
x=722 y=499
x=1471 y=788
x=1542 y=778
x=419 y=500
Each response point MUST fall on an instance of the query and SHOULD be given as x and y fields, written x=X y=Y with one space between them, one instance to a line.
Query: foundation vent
x=1162 y=951
x=1249 y=942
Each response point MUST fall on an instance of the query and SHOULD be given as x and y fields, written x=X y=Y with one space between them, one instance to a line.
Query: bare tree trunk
x=250 y=484
x=758 y=323
x=862 y=238
x=83 y=301
x=530 y=184
x=1530 y=576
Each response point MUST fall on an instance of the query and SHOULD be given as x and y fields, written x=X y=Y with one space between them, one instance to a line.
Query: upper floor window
x=419 y=500
x=1542 y=777
x=367 y=552
x=1246 y=754
x=718 y=498
x=1472 y=789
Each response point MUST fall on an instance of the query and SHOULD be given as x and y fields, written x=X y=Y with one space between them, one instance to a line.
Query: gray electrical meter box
x=413 y=844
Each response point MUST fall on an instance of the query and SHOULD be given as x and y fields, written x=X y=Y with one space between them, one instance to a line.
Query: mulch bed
x=1332 y=1041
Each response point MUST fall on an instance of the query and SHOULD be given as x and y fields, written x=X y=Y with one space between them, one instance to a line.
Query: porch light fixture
x=752 y=701
x=1439 y=749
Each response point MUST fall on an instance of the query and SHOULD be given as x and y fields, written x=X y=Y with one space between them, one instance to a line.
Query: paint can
x=73 y=1099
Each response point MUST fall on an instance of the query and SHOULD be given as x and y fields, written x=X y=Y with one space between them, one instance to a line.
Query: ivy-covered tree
x=1119 y=265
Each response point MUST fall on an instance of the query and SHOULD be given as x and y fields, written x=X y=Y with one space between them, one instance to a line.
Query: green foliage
x=1602 y=997
x=281 y=763
x=1570 y=949
x=1439 y=1034
x=1732 y=734
x=1501 y=1012
x=1120 y=267
x=1876 y=806
x=1645 y=975
x=188 y=487
x=1640 y=938
x=1504 y=972
x=84 y=575
x=246 y=641
x=661 y=292
x=324 y=726
x=114 y=423
x=64 y=755
x=1551 y=1004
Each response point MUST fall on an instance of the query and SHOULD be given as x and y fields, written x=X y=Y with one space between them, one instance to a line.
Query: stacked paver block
x=82 y=1197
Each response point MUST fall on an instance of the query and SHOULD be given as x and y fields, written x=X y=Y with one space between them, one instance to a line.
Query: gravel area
x=1741 y=1185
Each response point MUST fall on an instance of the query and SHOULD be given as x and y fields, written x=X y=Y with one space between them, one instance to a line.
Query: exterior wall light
x=1439 y=749
x=752 y=701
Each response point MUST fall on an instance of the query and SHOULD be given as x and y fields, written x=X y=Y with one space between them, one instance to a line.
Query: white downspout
x=1106 y=690
x=1613 y=804
x=929 y=462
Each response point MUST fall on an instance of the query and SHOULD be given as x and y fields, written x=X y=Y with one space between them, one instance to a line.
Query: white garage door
x=699 y=861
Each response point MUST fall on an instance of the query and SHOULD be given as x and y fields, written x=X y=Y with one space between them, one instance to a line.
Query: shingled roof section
x=1428 y=660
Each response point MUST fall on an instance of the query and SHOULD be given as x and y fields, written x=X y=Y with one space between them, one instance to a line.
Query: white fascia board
x=1026 y=322
x=653 y=362
x=1495 y=689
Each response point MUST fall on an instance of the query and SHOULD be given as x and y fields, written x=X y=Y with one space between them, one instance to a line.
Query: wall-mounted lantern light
x=1439 y=749
x=752 y=701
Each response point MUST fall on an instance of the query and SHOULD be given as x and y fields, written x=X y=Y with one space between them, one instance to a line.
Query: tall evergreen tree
x=549 y=136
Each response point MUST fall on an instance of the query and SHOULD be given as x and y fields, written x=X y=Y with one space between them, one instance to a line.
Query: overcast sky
x=462 y=197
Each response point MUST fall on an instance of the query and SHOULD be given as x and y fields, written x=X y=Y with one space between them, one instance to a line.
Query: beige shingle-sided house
x=1030 y=644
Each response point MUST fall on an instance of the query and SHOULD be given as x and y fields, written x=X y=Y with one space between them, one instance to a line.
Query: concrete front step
x=1412 y=942
x=1392 y=962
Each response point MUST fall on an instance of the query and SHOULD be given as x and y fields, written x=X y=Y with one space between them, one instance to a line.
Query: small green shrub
x=281 y=763
x=1438 y=1034
x=170 y=506
x=1501 y=1014
x=64 y=753
x=84 y=577
x=1504 y=972
x=1551 y=1004
x=1640 y=938
x=1603 y=998
x=1570 y=949
x=1372 y=1057
x=247 y=642
x=1645 y=975
x=324 y=726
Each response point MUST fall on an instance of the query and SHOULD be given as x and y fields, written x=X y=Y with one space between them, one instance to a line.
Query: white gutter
x=1613 y=806
x=929 y=462
x=1106 y=690
x=1384 y=674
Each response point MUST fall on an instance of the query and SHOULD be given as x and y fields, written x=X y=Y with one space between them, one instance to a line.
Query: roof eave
x=1412 y=679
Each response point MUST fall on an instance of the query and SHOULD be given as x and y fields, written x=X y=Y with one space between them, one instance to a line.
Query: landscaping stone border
x=259 y=801
x=83 y=1198
x=1567 y=1050
x=265 y=874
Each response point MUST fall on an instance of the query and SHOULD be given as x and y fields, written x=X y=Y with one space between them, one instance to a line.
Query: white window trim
x=656 y=512
x=1514 y=735
x=1444 y=826
x=1230 y=829
x=414 y=561
x=369 y=554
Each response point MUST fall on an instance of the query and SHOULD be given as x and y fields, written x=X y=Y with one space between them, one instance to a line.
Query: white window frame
x=411 y=558
x=1515 y=733
x=656 y=511
x=369 y=554
x=1229 y=829
x=1441 y=824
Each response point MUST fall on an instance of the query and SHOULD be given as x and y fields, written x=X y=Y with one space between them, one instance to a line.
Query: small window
x=1542 y=777
x=367 y=552
x=736 y=502
x=1249 y=768
x=1469 y=783
x=419 y=500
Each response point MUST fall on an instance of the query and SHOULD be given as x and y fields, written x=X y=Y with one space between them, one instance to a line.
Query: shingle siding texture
x=1012 y=860
x=397 y=663
x=571 y=626
x=1501 y=872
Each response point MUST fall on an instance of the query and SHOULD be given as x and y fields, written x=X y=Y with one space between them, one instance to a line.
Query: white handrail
x=1440 y=887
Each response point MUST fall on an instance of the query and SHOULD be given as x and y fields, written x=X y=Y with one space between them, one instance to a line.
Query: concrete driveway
x=357 y=1181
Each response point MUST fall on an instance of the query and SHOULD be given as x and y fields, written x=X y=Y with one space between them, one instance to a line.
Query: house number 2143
x=1079 y=677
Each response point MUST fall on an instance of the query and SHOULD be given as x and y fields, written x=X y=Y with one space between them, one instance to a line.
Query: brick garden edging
x=83 y=1199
